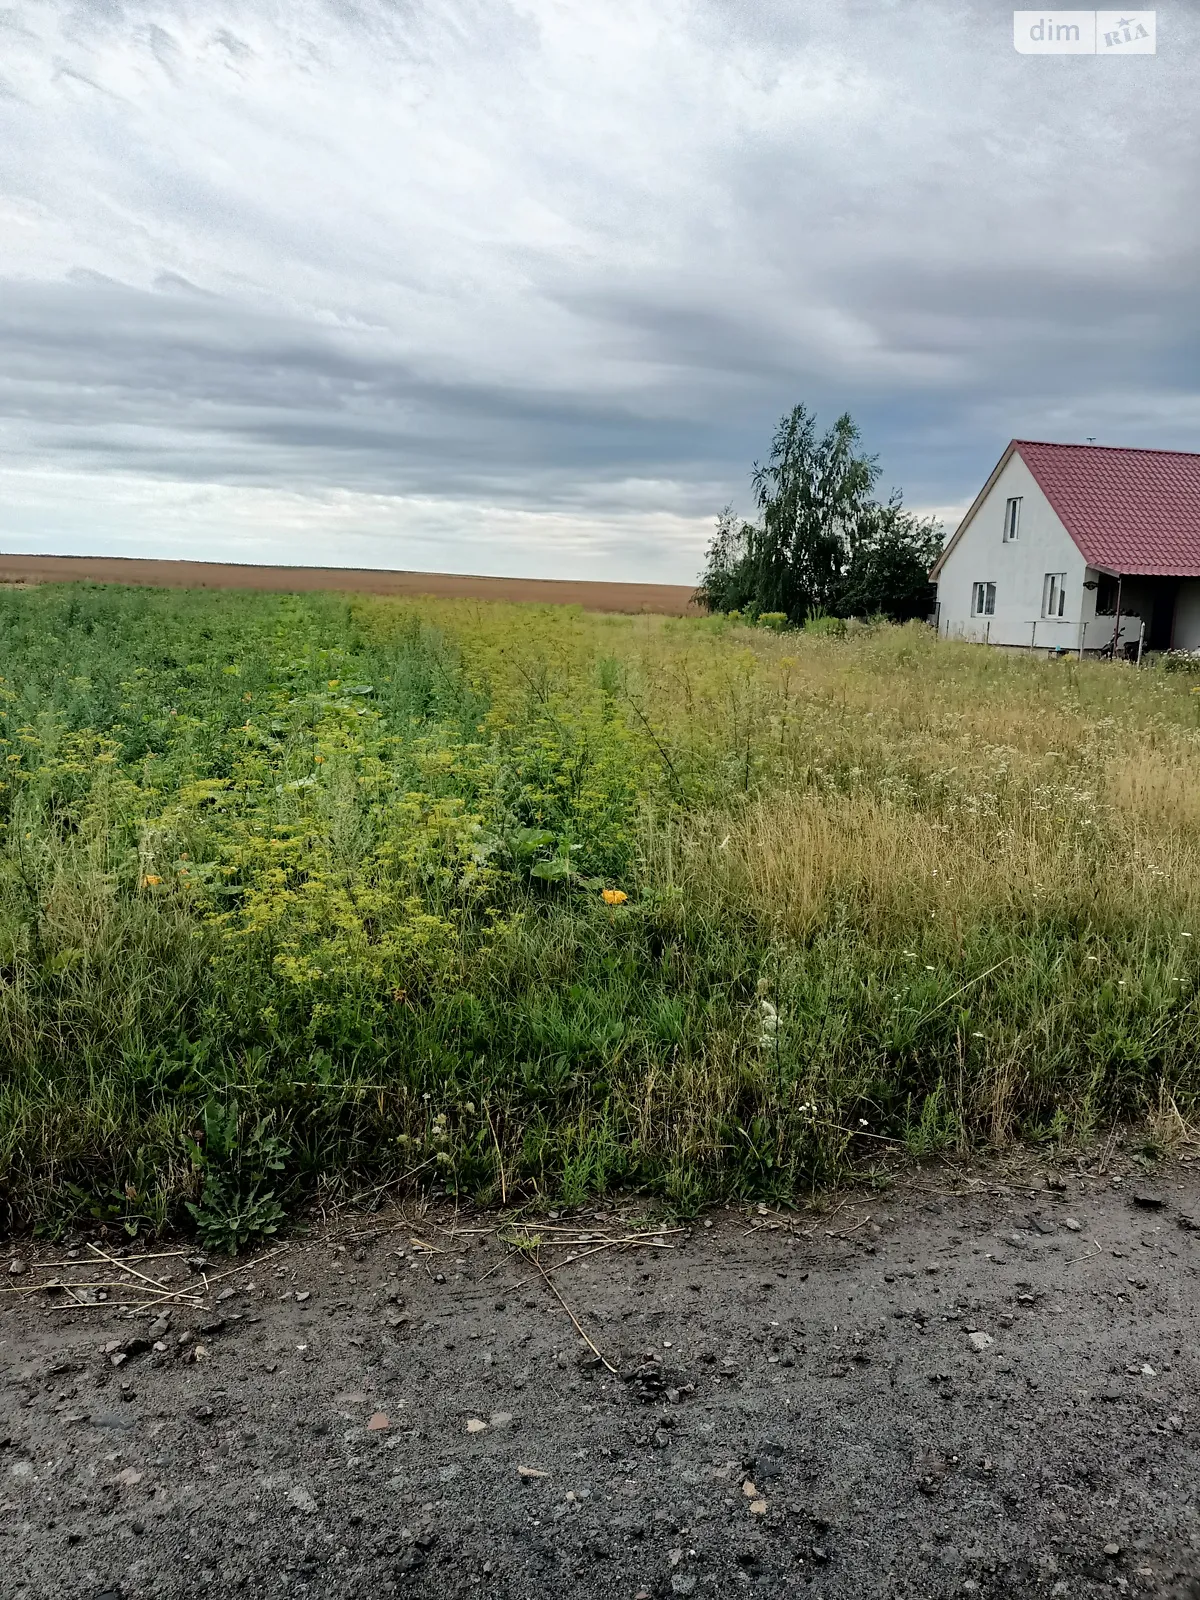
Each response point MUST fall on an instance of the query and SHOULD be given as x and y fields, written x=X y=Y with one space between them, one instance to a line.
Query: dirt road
x=966 y=1386
x=665 y=599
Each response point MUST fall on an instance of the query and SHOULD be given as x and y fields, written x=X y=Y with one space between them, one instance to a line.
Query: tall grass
x=301 y=894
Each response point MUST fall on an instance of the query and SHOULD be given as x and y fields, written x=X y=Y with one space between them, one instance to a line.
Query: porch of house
x=1169 y=608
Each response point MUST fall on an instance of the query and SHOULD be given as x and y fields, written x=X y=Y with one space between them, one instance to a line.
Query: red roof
x=1129 y=511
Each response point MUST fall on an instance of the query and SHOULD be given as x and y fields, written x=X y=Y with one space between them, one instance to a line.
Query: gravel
x=778 y=1406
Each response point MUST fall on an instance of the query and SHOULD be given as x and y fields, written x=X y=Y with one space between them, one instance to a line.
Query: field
x=303 y=895
x=664 y=599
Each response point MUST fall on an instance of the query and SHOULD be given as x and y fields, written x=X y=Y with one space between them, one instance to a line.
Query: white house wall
x=1018 y=570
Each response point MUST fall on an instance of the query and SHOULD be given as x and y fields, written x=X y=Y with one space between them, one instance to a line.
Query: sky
x=523 y=286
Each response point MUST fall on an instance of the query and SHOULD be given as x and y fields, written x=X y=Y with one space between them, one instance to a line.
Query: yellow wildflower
x=613 y=897
x=150 y=880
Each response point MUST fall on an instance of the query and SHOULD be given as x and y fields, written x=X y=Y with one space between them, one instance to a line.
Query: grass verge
x=304 y=894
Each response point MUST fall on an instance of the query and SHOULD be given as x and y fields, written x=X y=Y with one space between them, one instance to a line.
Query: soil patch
x=961 y=1387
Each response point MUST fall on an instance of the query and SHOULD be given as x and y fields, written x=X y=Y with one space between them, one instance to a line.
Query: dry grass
x=299 y=893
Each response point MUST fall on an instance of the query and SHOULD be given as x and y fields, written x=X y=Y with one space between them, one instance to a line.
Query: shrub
x=1180 y=661
x=822 y=626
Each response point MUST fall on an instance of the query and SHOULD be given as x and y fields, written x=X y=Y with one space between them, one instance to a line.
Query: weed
x=300 y=894
x=237 y=1203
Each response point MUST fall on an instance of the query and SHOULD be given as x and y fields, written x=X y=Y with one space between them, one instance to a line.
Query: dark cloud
x=516 y=258
x=194 y=387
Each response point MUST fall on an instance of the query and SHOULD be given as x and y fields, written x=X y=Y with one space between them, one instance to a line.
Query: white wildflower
x=768 y=1025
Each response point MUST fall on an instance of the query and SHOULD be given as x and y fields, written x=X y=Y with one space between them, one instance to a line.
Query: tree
x=728 y=582
x=888 y=570
x=821 y=543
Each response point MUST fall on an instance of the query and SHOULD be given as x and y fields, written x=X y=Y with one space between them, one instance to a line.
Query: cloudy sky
x=521 y=286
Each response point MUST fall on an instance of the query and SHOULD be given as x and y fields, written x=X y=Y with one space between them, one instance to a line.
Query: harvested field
x=663 y=599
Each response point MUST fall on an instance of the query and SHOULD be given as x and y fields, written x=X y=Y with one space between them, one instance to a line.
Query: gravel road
x=969 y=1385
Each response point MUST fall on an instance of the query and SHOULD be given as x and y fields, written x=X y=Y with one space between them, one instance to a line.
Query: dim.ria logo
x=1084 y=33
x=1128 y=35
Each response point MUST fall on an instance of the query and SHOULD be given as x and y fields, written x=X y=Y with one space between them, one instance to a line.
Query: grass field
x=300 y=895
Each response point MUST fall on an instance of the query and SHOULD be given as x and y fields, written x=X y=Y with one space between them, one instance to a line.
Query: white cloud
x=71 y=513
x=506 y=266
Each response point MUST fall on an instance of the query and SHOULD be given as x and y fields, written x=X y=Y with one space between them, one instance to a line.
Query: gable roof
x=1128 y=511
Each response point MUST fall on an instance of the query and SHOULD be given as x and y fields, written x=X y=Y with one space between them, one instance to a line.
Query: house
x=1077 y=547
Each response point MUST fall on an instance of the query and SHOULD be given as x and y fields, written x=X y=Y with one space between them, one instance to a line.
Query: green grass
x=301 y=895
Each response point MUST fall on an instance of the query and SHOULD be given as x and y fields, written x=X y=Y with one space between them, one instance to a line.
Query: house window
x=983 y=599
x=1054 y=594
x=1012 y=519
x=1106 y=596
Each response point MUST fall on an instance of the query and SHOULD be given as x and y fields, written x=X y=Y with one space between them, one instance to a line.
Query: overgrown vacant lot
x=304 y=894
